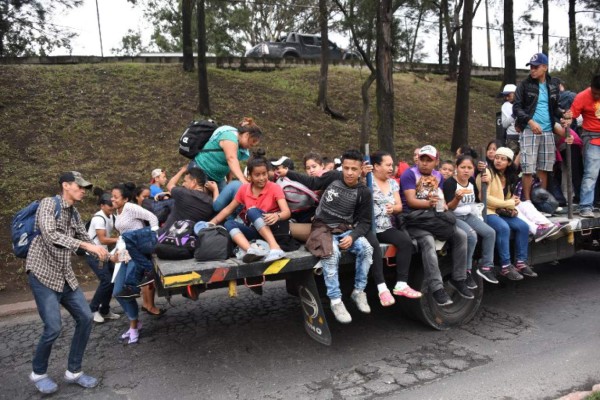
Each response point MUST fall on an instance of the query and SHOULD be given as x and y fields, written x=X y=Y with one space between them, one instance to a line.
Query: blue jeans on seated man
x=591 y=168
x=129 y=305
x=48 y=304
x=140 y=245
x=101 y=300
x=364 y=258
x=255 y=216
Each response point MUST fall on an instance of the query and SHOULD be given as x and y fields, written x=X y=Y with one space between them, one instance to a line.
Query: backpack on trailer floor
x=23 y=230
x=195 y=137
x=298 y=196
x=178 y=243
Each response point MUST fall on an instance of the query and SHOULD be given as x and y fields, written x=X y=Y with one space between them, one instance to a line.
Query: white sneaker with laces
x=360 y=298
x=340 y=313
x=111 y=315
x=98 y=317
x=274 y=254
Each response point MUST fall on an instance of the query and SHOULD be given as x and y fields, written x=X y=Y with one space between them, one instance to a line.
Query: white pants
x=530 y=215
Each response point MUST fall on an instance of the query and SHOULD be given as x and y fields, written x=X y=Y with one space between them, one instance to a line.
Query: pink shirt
x=266 y=199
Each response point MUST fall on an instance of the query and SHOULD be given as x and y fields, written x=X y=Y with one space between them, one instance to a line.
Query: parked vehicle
x=298 y=45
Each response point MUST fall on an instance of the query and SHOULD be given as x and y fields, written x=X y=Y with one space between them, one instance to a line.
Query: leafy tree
x=25 y=29
x=131 y=44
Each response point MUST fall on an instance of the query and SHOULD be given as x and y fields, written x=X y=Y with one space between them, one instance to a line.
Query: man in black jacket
x=536 y=111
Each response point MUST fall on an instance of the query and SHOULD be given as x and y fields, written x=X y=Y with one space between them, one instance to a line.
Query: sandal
x=386 y=299
x=407 y=292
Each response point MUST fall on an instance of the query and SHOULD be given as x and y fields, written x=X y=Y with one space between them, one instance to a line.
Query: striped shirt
x=49 y=256
x=133 y=217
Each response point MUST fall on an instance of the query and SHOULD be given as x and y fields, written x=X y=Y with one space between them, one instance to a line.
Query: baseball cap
x=156 y=173
x=538 y=59
x=510 y=88
x=429 y=151
x=74 y=176
x=284 y=161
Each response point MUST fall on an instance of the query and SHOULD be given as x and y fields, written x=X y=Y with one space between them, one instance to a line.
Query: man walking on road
x=587 y=104
x=53 y=282
x=536 y=112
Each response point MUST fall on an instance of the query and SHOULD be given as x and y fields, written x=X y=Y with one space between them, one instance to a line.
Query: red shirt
x=266 y=199
x=585 y=105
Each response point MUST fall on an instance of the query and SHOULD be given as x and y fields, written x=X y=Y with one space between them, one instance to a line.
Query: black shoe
x=471 y=284
x=511 y=273
x=488 y=274
x=526 y=270
x=461 y=288
x=441 y=298
x=147 y=279
x=127 y=293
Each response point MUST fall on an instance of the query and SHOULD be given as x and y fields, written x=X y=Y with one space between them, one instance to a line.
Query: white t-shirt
x=508 y=122
x=100 y=221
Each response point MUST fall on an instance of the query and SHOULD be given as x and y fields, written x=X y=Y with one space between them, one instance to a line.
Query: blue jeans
x=101 y=300
x=140 y=245
x=364 y=258
x=254 y=215
x=591 y=166
x=48 y=304
x=226 y=195
x=488 y=238
x=503 y=226
x=129 y=305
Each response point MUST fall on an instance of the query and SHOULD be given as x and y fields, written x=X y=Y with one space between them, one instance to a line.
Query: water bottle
x=439 y=206
x=120 y=247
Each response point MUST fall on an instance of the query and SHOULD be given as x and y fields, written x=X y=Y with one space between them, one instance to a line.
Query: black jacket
x=526 y=97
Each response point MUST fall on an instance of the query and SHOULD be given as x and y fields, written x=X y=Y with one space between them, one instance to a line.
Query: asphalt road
x=532 y=340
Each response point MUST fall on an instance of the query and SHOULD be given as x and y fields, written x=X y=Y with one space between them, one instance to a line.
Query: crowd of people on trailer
x=505 y=193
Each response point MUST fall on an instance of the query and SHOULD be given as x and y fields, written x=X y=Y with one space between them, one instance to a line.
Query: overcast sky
x=117 y=16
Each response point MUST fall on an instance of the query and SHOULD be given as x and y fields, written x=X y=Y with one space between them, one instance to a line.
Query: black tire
x=291 y=55
x=426 y=310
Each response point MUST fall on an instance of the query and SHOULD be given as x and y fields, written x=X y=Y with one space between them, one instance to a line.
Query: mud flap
x=313 y=314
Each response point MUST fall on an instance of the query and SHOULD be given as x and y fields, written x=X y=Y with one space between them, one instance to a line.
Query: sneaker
x=386 y=299
x=586 y=213
x=360 y=299
x=511 y=273
x=253 y=254
x=274 y=254
x=83 y=380
x=488 y=274
x=471 y=284
x=441 y=298
x=147 y=279
x=44 y=384
x=128 y=292
x=461 y=288
x=98 y=318
x=543 y=232
x=340 y=313
x=563 y=231
x=110 y=315
x=525 y=269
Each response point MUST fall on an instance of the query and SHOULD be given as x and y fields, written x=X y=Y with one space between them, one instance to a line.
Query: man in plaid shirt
x=53 y=282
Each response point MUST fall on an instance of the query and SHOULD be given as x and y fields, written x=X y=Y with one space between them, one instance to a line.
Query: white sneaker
x=274 y=254
x=340 y=313
x=360 y=298
x=98 y=318
x=111 y=315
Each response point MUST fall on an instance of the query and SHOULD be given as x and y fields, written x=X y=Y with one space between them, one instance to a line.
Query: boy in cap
x=53 y=282
x=416 y=194
x=508 y=121
x=159 y=178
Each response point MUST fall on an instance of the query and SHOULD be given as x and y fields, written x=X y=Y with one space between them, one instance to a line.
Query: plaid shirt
x=49 y=256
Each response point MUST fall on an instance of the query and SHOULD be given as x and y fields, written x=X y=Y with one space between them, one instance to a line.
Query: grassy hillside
x=116 y=122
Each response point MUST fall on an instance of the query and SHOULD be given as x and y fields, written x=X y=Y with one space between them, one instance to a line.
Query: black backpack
x=177 y=243
x=195 y=137
x=213 y=243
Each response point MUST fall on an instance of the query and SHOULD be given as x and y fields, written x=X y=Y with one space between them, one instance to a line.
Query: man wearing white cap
x=508 y=121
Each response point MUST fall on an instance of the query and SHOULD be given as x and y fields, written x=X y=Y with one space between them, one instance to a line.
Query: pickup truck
x=301 y=271
x=298 y=45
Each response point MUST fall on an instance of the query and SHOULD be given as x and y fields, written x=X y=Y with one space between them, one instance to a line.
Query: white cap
x=156 y=172
x=429 y=151
x=510 y=88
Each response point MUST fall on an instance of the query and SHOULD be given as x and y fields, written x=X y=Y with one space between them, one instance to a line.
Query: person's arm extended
x=226 y=212
x=103 y=239
x=315 y=182
x=175 y=179
x=230 y=149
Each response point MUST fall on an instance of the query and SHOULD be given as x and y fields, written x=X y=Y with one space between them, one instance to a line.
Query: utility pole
x=99 y=30
x=487 y=30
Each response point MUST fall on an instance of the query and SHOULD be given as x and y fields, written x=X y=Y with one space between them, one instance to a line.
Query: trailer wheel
x=426 y=310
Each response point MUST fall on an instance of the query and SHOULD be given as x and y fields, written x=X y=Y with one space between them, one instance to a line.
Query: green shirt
x=214 y=163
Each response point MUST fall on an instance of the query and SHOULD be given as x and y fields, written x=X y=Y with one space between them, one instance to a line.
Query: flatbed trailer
x=299 y=269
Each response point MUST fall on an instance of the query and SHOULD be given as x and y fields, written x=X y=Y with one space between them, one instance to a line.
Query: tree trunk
x=460 y=134
x=203 y=98
x=188 y=48
x=385 y=85
x=487 y=34
x=510 y=64
x=441 y=40
x=573 y=46
x=416 y=35
x=365 y=127
x=451 y=46
x=545 y=25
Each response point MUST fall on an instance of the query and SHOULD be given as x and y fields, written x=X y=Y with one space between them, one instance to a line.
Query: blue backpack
x=23 y=227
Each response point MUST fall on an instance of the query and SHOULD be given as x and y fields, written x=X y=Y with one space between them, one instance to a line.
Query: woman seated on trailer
x=502 y=215
x=386 y=204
